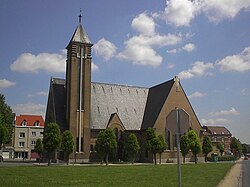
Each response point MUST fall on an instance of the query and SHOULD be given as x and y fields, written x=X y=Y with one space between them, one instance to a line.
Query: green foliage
x=153 y=143
x=132 y=146
x=222 y=158
x=221 y=148
x=245 y=149
x=236 y=147
x=207 y=146
x=39 y=148
x=184 y=146
x=3 y=135
x=106 y=144
x=164 y=145
x=67 y=144
x=6 y=117
x=51 y=139
x=194 y=144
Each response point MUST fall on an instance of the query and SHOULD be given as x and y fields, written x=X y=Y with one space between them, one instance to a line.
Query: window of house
x=33 y=133
x=24 y=123
x=41 y=133
x=21 y=144
x=21 y=135
x=33 y=142
x=37 y=124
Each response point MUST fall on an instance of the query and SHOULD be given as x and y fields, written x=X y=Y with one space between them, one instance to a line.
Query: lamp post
x=177 y=133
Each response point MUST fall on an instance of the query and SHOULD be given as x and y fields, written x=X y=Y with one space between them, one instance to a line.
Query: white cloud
x=197 y=94
x=223 y=9
x=172 y=51
x=198 y=69
x=141 y=55
x=140 y=49
x=171 y=65
x=180 y=12
x=144 y=24
x=105 y=49
x=29 y=108
x=42 y=93
x=245 y=92
x=4 y=83
x=240 y=62
x=218 y=121
x=231 y=112
x=51 y=62
x=94 y=67
x=189 y=47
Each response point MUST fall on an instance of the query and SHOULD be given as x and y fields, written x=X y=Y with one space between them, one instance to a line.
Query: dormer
x=37 y=124
x=24 y=123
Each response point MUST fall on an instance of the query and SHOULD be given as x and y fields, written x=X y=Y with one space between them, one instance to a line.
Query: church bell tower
x=78 y=86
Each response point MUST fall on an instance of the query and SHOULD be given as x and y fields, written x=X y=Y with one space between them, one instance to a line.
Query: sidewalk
x=233 y=177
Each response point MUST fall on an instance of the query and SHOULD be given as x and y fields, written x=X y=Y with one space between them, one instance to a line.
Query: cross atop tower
x=80 y=17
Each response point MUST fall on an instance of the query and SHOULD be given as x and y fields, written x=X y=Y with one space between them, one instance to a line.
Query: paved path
x=233 y=177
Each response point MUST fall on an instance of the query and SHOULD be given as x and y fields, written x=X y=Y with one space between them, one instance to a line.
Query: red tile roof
x=30 y=119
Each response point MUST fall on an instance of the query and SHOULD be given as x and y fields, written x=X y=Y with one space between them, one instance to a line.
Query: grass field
x=200 y=175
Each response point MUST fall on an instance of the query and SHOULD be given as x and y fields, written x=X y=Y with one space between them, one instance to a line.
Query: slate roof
x=80 y=35
x=106 y=99
x=156 y=98
x=57 y=96
x=127 y=101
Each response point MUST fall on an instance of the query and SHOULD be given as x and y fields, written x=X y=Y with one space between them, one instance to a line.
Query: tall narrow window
x=167 y=135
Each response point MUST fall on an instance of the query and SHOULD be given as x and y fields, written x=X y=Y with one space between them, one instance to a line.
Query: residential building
x=27 y=129
x=219 y=134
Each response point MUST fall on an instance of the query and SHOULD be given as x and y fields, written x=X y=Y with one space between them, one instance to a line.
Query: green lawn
x=199 y=175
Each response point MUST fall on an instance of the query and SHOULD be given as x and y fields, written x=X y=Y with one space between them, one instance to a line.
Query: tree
x=155 y=146
x=184 y=146
x=194 y=144
x=39 y=148
x=207 y=146
x=67 y=144
x=221 y=148
x=132 y=146
x=6 y=117
x=236 y=147
x=245 y=149
x=3 y=135
x=51 y=139
x=164 y=146
x=106 y=144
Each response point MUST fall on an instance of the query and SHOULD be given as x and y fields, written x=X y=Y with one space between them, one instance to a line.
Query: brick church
x=85 y=108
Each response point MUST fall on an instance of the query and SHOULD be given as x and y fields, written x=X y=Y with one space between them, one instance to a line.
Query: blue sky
x=143 y=43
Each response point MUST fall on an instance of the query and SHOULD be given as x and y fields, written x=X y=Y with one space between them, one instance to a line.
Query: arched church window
x=167 y=138
x=116 y=133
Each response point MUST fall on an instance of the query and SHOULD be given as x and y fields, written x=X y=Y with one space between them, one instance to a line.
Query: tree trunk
x=160 y=158
x=195 y=159
x=184 y=159
x=205 y=158
x=155 y=158
x=107 y=159
x=49 y=161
